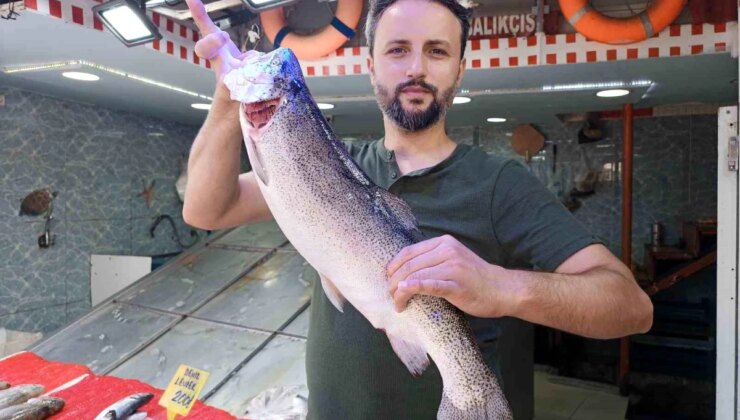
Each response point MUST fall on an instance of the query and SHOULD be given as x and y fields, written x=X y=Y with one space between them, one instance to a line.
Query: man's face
x=415 y=67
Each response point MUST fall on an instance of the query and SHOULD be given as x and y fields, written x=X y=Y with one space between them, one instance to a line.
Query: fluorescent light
x=460 y=100
x=612 y=93
x=128 y=21
x=78 y=75
x=599 y=86
x=201 y=106
x=76 y=64
x=323 y=105
x=496 y=120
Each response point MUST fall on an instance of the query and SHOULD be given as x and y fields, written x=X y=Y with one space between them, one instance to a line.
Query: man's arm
x=591 y=294
x=217 y=196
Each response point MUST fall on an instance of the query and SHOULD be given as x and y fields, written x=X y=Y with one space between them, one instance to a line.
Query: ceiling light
x=323 y=105
x=461 y=100
x=496 y=120
x=262 y=5
x=201 y=106
x=128 y=21
x=599 y=86
x=78 y=75
x=612 y=93
x=76 y=64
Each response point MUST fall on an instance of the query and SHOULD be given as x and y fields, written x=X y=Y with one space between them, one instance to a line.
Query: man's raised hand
x=215 y=45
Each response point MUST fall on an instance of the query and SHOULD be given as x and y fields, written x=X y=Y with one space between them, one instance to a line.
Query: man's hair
x=377 y=7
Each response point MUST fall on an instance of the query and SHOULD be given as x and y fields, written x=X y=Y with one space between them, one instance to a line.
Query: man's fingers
x=410 y=252
x=422 y=266
x=407 y=289
x=209 y=47
x=200 y=18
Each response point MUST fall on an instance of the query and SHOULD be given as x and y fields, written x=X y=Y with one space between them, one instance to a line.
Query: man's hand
x=590 y=294
x=215 y=45
x=445 y=268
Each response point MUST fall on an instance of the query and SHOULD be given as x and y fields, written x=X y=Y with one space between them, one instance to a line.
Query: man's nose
x=417 y=67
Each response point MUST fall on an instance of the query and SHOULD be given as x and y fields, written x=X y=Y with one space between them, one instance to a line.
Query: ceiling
x=515 y=93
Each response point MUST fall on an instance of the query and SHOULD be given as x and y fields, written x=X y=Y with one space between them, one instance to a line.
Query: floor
x=559 y=398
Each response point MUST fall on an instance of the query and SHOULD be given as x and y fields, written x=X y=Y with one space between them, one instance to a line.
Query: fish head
x=53 y=404
x=263 y=84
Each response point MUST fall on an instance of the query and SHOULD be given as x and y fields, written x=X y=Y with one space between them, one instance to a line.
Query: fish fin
x=331 y=291
x=413 y=355
x=396 y=206
x=254 y=159
x=494 y=407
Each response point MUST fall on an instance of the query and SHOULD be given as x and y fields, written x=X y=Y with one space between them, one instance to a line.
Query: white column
x=727 y=276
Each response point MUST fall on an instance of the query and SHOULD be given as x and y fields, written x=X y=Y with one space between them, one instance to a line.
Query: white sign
x=503 y=26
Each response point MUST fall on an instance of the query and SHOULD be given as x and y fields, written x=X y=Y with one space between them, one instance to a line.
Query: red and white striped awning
x=538 y=50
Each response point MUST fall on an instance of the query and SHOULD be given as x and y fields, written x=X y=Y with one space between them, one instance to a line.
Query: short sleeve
x=531 y=224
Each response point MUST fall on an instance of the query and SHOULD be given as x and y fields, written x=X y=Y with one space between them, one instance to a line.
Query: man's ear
x=371 y=69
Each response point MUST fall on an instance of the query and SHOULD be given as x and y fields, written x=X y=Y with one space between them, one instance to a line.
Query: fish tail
x=494 y=406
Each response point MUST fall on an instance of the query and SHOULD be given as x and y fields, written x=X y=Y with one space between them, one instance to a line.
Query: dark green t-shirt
x=490 y=204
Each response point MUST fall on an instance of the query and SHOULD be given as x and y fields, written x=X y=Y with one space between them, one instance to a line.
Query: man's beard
x=414 y=120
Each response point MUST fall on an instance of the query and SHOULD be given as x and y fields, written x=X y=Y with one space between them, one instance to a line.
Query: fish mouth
x=258 y=114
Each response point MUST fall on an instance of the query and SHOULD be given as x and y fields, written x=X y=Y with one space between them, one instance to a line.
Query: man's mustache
x=417 y=82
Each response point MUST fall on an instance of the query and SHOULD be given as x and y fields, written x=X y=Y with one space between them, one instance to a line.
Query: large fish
x=348 y=229
x=19 y=394
x=34 y=409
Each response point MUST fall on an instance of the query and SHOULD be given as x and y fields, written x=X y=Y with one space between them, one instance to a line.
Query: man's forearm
x=214 y=163
x=599 y=303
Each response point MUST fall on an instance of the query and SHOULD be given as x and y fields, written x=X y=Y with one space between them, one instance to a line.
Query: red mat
x=28 y=368
x=94 y=393
x=88 y=397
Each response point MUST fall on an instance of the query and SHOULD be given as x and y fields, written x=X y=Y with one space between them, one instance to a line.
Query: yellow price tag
x=183 y=390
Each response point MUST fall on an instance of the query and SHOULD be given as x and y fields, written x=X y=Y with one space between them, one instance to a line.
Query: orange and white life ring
x=320 y=44
x=595 y=26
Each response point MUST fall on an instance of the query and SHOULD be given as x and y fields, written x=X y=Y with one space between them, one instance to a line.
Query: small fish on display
x=19 y=394
x=34 y=409
x=125 y=408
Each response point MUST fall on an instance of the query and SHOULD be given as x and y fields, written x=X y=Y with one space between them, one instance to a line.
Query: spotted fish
x=34 y=409
x=19 y=394
x=348 y=229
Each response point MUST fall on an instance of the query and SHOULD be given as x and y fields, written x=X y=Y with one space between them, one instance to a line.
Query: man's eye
x=396 y=50
x=438 y=51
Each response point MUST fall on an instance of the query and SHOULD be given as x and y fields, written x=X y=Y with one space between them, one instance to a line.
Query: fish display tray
x=86 y=394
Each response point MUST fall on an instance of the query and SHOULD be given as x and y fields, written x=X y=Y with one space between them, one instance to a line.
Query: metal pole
x=540 y=15
x=627 y=155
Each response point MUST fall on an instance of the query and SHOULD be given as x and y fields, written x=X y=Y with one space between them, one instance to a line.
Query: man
x=483 y=213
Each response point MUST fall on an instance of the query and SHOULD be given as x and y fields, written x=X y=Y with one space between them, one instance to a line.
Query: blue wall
x=97 y=159
x=675 y=173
